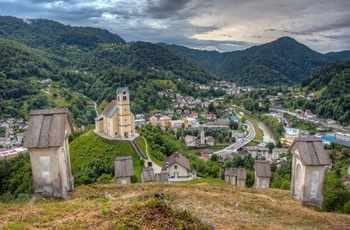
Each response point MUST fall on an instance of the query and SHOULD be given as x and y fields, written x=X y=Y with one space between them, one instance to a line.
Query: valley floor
x=108 y=207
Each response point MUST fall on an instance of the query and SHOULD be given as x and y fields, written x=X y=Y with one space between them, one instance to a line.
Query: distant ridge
x=281 y=62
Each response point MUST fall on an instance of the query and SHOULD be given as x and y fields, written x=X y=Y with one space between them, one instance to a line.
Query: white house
x=178 y=167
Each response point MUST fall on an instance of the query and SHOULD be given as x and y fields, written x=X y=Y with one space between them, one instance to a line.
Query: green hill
x=334 y=83
x=92 y=156
x=42 y=33
x=82 y=62
x=281 y=62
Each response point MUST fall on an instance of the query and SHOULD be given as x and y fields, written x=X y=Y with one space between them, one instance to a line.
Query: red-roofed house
x=194 y=114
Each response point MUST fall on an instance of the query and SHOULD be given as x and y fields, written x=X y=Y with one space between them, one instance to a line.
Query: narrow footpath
x=156 y=168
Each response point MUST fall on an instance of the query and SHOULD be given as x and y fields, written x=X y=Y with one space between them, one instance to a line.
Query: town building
x=190 y=140
x=308 y=170
x=291 y=134
x=47 y=142
x=346 y=181
x=276 y=152
x=116 y=120
x=259 y=152
x=165 y=121
x=153 y=120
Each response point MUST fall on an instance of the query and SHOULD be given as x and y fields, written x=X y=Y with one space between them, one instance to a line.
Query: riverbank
x=263 y=132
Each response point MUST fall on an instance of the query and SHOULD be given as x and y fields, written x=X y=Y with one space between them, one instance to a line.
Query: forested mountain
x=42 y=33
x=82 y=62
x=94 y=49
x=334 y=83
x=284 y=61
x=342 y=55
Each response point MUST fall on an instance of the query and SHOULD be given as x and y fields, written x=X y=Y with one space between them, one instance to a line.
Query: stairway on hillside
x=138 y=150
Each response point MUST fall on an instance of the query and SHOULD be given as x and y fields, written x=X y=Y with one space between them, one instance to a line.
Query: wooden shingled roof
x=47 y=128
x=176 y=158
x=148 y=174
x=310 y=151
x=241 y=174
x=231 y=172
x=161 y=177
x=123 y=166
x=262 y=168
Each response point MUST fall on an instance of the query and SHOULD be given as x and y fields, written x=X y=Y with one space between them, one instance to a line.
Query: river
x=269 y=136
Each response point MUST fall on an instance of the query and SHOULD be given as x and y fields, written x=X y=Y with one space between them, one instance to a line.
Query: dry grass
x=133 y=207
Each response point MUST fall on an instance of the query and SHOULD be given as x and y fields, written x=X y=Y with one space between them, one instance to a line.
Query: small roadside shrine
x=47 y=141
x=123 y=169
x=308 y=170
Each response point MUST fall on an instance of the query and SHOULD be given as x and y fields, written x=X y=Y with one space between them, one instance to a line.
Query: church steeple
x=122 y=82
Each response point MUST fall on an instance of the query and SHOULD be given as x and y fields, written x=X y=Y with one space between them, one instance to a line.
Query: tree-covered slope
x=209 y=60
x=334 y=80
x=50 y=34
x=89 y=63
x=284 y=61
x=94 y=49
x=342 y=55
x=287 y=57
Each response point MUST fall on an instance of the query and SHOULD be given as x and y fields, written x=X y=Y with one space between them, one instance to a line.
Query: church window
x=124 y=98
x=175 y=166
x=118 y=98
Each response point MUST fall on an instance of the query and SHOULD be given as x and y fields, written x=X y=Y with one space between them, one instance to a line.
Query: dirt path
x=156 y=168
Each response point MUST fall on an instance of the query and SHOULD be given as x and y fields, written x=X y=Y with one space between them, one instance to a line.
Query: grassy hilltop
x=134 y=207
x=92 y=156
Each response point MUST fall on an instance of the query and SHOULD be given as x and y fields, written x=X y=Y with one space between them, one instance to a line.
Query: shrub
x=104 y=179
x=285 y=185
x=133 y=179
x=347 y=207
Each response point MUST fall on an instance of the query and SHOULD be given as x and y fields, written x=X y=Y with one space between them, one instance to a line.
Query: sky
x=222 y=25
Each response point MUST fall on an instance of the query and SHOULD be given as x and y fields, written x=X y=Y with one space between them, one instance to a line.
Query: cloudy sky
x=223 y=25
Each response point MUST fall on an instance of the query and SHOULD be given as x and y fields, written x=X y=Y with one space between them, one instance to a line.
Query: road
x=337 y=127
x=240 y=142
x=95 y=106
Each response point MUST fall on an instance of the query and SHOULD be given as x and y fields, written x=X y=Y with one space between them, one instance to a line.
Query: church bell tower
x=126 y=118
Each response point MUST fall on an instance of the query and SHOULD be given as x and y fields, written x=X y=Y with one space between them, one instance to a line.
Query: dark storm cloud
x=204 y=24
x=161 y=9
x=324 y=27
x=337 y=37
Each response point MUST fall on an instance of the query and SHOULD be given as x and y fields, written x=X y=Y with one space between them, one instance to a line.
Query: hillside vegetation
x=93 y=156
x=281 y=62
x=87 y=62
x=134 y=207
x=334 y=81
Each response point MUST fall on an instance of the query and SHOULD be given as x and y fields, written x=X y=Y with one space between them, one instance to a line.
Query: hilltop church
x=116 y=119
